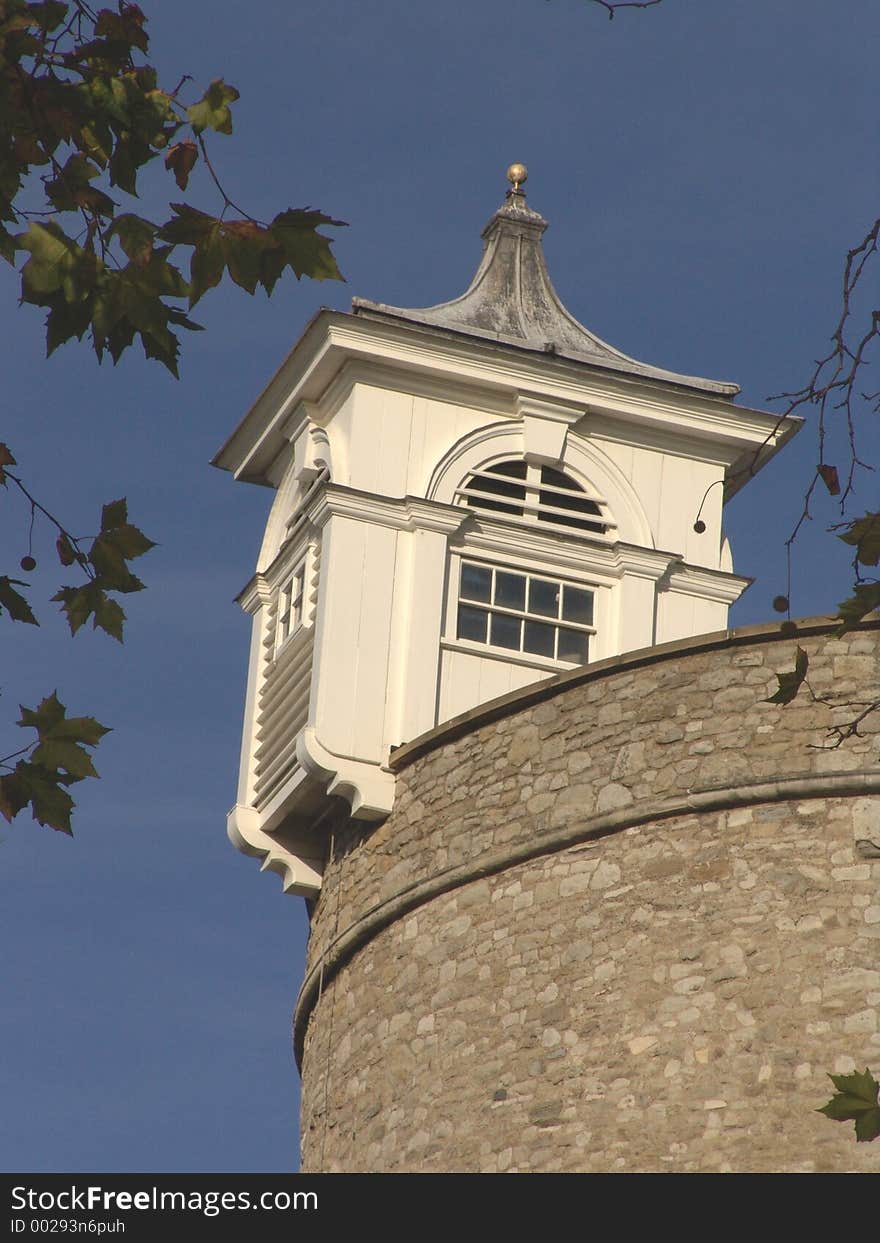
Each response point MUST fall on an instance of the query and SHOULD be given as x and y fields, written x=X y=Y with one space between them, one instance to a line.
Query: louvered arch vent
x=517 y=489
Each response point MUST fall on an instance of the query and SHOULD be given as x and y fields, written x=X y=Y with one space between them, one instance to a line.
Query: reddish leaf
x=6 y=459
x=64 y=548
x=180 y=160
x=828 y=475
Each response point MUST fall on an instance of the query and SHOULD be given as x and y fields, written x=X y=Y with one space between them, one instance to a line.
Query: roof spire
x=511 y=298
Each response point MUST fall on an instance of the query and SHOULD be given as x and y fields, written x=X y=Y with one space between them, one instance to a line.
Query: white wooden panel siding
x=467 y=680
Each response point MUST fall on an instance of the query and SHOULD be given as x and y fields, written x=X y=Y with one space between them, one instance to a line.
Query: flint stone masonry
x=624 y=920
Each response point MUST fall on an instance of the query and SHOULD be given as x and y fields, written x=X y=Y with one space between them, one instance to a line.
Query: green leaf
x=45 y=717
x=130 y=153
x=188 y=226
x=53 y=259
x=109 y=616
x=124 y=27
x=114 y=514
x=306 y=250
x=135 y=237
x=865 y=598
x=14 y=796
x=165 y=348
x=212 y=110
x=7 y=244
x=856 y=1100
x=864 y=534
x=59 y=760
x=84 y=729
x=14 y=603
x=50 y=804
x=48 y=15
x=790 y=683
x=80 y=603
x=243 y=244
x=65 y=321
x=70 y=190
x=68 y=756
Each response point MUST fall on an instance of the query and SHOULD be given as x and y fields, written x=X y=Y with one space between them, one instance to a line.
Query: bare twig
x=611 y=7
x=35 y=504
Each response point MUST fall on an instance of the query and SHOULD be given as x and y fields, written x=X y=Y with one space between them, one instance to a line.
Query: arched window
x=537 y=493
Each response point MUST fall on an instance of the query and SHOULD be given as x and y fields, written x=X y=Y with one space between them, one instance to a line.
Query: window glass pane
x=476 y=582
x=472 y=623
x=543 y=598
x=573 y=646
x=539 y=638
x=505 y=631
x=577 y=605
x=510 y=590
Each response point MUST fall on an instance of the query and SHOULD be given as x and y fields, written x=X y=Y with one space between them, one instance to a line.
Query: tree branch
x=611 y=7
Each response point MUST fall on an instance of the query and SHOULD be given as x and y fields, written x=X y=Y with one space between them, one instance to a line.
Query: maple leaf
x=307 y=251
x=864 y=534
x=790 y=683
x=212 y=110
x=50 y=803
x=80 y=603
x=135 y=237
x=59 y=759
x=865 y=598
x=856 y=1100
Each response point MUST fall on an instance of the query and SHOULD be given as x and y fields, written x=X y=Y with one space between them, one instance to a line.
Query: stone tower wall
x=625 y=920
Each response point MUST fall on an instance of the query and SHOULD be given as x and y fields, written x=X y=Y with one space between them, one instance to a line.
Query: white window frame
x=289 y=614
x=527 y=571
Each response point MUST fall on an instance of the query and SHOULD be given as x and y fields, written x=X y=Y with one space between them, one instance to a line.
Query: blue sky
x=704 y=166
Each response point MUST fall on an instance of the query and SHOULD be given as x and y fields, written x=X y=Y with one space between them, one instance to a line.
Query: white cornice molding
x=406 y=513
x=527 y=545
x=334 y=338
x=647 y=563
x=694 y=580
x=255 y=594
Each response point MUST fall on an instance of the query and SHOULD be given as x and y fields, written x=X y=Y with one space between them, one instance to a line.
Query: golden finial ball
x=517 y=174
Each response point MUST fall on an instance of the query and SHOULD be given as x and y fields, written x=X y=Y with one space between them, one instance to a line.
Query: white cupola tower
x=470 y=497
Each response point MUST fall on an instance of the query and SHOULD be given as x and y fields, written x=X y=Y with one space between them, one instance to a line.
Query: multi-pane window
x=290 y=606
x=524 y=613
